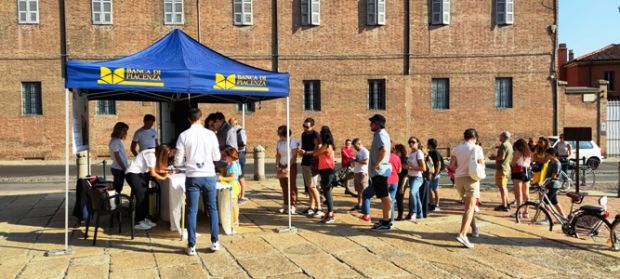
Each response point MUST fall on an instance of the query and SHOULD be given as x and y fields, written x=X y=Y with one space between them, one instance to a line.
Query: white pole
x=66 y=169
x=243 y=115
x=288 y=152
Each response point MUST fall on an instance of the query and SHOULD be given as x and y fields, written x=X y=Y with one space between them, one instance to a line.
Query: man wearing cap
x=380 y=168
x=502 y=169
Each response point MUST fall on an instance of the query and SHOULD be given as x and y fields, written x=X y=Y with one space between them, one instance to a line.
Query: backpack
x=430 y=166
x=240 y=142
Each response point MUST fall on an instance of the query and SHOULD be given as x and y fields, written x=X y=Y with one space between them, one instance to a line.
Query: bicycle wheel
x=587 y=224
x=615 y=236
x=587 y=178
x=533 y=213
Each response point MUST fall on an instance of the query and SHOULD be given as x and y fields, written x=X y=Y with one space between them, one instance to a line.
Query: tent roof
x=172 y=69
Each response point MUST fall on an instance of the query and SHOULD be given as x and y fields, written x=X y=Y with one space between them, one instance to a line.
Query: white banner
x=80 y=122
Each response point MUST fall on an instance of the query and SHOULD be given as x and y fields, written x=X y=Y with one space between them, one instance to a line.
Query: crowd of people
x=210 y=153
x=215 y=152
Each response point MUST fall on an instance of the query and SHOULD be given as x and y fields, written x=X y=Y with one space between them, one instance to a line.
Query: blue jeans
x=424 y=197
x=194 y=186
x=367 y=194
x=393 y=188
x=415 y=204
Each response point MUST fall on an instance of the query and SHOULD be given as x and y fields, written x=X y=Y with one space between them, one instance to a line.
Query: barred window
x=173 y=12
x=503 y=92
x=31 y=98
x=249 y=107
x=106 y=107
x=102 y=11
x=376 y=94
x=242 y=12
x=440 y=94
x=312 y=95
x=28 y=11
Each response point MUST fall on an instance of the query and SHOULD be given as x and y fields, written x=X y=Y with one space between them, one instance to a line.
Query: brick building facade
x=588 y=69
x=497 y=71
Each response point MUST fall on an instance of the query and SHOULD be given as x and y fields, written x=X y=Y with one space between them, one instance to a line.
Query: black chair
x=99 y=205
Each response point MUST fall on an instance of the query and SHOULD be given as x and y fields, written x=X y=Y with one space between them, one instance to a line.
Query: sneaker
x=525 y=215
x=242 y=200
x=465 y=242
x=319 y=214
x=282 y=210
x=399 y=218
x=382 y=226
x=516 y=215
x=476 y=209
x=412 y=218
x=150 y=223
x=436 y=208
x=308 y=212
x=293 y=210
x=215 y=246
x=329 y=219
x=142 y=226
x=476 y=232
x=365 y=218
x=502 y=208
x=355 y=208
x=191 y=251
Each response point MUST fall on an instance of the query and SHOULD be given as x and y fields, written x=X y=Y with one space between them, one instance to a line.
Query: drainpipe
x=274 y=35
x=554 y=70
x=407 y=44
x=198 y=18
x=63 y=38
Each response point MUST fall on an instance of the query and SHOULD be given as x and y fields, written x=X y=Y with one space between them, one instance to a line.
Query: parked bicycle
x=587 y=220
x=587 y=176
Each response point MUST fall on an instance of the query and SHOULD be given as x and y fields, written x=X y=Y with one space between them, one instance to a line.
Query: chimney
x=571 y=56
x=562 y=62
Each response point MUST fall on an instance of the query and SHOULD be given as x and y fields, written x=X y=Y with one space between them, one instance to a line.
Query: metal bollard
x=82 y=164
x=259 y=163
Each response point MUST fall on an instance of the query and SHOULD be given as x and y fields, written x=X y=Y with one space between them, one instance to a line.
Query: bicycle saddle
x=592 y=208
x=576 y=197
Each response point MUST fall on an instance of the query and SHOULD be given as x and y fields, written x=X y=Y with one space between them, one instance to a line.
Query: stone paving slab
x=347 y=248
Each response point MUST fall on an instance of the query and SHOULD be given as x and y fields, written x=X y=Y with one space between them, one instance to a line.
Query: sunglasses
x=413 y=142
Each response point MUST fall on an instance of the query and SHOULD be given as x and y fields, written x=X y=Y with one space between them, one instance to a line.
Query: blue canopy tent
x=175 y=68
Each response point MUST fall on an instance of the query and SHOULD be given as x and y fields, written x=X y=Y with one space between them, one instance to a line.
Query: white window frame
x=243 y=12
x=173 y=12
x=504 y=12
x=102 y=13
x=311 y=12
x=375 y=12
x=440 y=12
x=28 y=12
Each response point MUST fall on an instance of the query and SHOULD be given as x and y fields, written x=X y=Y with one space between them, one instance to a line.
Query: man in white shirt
x=145 y=137
x=197 y=149
x=360 y=171
x=467 y=187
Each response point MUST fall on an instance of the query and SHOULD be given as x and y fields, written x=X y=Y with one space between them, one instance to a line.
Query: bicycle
x=587 y=220
x=587 y=177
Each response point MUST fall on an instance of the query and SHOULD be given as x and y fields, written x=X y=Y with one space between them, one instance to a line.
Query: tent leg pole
x=67 y=250
x=290 y=228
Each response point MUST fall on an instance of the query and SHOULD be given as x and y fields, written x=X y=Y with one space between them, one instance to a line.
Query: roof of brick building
x=610 y=52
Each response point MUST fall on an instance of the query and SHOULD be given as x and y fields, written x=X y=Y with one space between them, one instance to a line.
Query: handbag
x=476 y=171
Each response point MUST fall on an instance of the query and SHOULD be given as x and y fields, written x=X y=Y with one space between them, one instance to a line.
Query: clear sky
x=588 y=25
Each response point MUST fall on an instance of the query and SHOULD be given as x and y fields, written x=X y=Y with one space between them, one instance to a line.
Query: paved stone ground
x=31 y=224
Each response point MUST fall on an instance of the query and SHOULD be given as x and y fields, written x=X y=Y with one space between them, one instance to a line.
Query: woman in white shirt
x=282 y=162
x=415 y=165
x=146 y=162
x=117 y=153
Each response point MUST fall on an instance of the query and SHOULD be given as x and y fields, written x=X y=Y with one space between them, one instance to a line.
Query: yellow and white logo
x=240 y=82
x=129 y=76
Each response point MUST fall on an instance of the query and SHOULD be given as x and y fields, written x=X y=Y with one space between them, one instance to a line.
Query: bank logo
x=240 y=82
x=130 y=76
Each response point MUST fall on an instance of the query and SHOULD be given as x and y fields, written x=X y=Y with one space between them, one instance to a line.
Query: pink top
x=346 y=153
x=396 y=166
